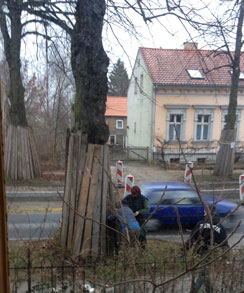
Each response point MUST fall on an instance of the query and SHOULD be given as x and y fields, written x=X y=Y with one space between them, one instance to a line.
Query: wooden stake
x=4 y=266
x=65 y=214
x=73 y=190
x=90 y=205
x=104 y=198
x=79 y=221
x=97 y=209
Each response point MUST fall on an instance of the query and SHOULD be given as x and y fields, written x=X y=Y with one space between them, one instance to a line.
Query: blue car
x=184 y=198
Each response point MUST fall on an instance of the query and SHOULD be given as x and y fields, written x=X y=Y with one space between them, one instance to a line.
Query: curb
x=36 y=211
x=34 y=195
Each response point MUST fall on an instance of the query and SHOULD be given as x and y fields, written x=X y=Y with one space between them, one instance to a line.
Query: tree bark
x=12 y=45
x=89 y=64
x=224 y=158
x=226 y=153
x=21 y=159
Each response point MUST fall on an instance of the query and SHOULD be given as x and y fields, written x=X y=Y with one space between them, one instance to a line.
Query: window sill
x=175 y=142
x=203 y=142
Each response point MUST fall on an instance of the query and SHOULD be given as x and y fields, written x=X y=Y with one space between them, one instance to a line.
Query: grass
x=158 y=262
x=36 y=181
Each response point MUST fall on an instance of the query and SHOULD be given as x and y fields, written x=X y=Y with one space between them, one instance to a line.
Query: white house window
x=175 y=126
x=241 y=76
x=195 y=73
x=136 y=84
x=112 y=139
x=225 y=120
x=204 y=117
x=202 y=132
x=119 y=124
x=176 y=120
x=237 y=122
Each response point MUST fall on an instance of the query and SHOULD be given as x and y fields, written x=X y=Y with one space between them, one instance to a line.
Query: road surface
x=37 y=226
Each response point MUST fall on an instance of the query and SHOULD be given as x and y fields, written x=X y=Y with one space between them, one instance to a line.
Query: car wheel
x=153 y=225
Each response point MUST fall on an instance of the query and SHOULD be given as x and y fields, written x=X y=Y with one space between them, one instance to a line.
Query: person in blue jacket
x=127 y=222
x=140 y=206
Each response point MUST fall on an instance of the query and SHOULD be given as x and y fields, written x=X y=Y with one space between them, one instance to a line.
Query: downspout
x=153 y=121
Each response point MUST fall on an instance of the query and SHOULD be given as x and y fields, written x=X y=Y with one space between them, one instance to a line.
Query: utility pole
x=4 y=265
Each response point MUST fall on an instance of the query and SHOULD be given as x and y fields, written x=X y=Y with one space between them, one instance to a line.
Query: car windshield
x=171 y=196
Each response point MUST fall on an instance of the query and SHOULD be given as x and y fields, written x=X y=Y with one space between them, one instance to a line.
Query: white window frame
x=241 y=75
x=117 y=124
x=176 y=110
x=204 y=110
x=195 y=73
x=114 y=139
x=238 y=120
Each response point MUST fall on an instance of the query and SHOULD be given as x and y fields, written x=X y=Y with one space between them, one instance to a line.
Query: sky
x=155 y=35
x=166 y=33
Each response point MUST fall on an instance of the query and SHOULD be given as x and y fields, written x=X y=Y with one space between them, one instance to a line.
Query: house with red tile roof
x=181 y=93
x=116 y=119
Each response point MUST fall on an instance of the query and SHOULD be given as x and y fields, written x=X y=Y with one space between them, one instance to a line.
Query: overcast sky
x=167 y=33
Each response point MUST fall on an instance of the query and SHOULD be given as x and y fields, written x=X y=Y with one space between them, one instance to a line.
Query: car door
x=161 y=209
x=186 y=202
x=190 y=211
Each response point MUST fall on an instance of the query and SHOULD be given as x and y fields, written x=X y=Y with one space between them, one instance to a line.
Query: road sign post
x=129 y=182
x=188 y=172
x=119 y=173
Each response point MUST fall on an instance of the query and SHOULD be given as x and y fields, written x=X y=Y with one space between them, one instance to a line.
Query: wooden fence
x=87 y=189
x=129 y=153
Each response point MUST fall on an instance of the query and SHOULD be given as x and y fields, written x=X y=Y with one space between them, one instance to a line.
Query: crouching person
x=140 y=206
x=205 y=233
x=129 y=225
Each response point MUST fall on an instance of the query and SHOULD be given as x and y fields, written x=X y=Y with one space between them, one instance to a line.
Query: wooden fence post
x=4 y=266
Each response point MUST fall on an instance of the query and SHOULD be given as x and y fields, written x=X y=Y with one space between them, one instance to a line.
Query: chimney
x=190 y=46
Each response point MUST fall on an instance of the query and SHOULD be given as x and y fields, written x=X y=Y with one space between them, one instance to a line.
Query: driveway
x=147 y=172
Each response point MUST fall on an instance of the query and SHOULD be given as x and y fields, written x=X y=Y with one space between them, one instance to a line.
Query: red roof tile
x=168 y=66
x=116 y=106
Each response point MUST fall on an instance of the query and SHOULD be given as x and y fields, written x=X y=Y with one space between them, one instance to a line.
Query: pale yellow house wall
x=190 y=99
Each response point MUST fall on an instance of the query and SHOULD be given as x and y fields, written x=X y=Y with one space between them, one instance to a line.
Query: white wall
x=140 y=107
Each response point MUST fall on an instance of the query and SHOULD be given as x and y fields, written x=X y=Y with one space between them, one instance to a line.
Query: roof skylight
x=241 y=76
x=195 y=73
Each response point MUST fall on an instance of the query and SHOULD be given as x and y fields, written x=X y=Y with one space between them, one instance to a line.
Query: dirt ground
x=148 y=172
x=54 y=179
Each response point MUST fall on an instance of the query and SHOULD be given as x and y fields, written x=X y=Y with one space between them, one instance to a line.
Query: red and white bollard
x=119 y=173
x=129 y=182
x=188 y=172
x=241 y=183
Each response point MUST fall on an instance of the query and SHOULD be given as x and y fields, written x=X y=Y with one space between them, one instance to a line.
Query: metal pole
x=4 y=266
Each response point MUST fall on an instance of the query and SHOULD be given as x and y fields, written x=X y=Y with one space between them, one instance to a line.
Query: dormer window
x=195 y=73
x=241 y=76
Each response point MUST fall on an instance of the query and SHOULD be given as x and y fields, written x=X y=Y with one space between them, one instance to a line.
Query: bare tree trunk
x=225 y=156
x=226 y=153
x=89 y=64
x=20 y=145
